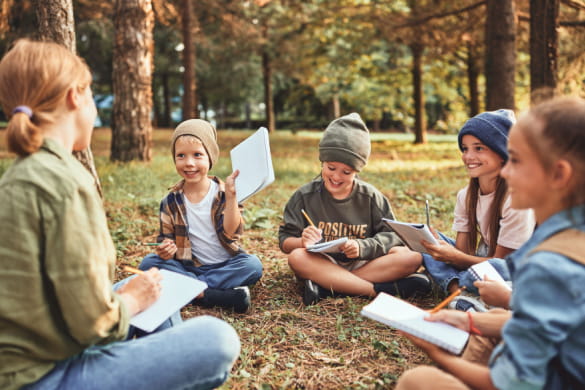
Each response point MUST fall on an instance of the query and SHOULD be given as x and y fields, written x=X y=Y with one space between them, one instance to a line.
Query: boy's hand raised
x=230 y=184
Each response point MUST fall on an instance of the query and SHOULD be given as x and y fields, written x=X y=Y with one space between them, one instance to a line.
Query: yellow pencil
x=307 y=217
x=132 y=270
x=447 y=300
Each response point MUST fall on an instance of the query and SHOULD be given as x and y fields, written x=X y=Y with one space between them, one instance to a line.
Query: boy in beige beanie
x=200 y=223
x=341 y=205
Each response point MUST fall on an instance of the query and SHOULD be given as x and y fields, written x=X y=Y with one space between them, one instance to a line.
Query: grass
x=284 y=344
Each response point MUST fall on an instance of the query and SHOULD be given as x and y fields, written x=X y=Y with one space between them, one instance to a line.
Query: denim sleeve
x=547 y=304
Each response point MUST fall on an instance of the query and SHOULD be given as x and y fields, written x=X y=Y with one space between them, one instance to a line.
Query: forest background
x=414 y=70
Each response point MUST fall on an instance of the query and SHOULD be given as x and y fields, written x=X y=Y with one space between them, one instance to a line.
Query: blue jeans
x=443 y=273
x=196 y=354
x=241 y=270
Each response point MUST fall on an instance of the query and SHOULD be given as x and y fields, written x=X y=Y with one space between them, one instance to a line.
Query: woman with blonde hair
x=61 y=323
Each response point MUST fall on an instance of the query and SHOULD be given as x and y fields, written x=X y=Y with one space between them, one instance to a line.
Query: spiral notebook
x=483 y=269
x=412 y=234
x=333 y=246
x=408 y=318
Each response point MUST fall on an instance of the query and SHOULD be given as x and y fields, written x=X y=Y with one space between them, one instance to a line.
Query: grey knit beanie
x=346 y=140
x=202 y=130
x=491 y=128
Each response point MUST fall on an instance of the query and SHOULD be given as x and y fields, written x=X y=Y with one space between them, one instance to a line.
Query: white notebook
x=480 y=270
x=333 y=246
x=412 y=234
x=408 y=318
x=177 y=291
x=252 y=157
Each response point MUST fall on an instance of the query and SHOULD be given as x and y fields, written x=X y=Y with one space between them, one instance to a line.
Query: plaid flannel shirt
x=173 y=223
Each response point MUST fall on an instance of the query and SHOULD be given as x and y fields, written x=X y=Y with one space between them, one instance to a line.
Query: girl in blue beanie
x=487 y=227
x=543 y=337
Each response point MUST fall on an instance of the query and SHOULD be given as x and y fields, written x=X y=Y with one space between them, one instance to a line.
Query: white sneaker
x=467 y=303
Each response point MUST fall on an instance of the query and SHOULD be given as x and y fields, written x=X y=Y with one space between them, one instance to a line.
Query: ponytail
x=34 y=80
x=22 y=135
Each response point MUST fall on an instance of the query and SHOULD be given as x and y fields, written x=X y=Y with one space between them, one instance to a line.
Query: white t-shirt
x=205 y=245
x=516 y=226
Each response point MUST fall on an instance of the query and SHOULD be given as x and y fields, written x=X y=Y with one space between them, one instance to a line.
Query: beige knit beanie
x=202 y=130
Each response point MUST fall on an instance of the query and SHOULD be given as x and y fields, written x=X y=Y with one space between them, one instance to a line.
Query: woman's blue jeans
x=195 y=354
x=443 y=273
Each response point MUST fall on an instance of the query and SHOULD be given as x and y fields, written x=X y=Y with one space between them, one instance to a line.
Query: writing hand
x=311 y=235
x=142 y=290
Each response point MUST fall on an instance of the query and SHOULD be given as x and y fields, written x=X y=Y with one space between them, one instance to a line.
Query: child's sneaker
x=467 y=303
x=312 y=293
x=414 y=284
x=237 y=298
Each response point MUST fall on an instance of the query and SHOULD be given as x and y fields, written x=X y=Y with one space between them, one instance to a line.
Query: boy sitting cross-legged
x=200 y=223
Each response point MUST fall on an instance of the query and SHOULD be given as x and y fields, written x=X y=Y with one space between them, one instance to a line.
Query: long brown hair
x=37 y=75
x=495 y=215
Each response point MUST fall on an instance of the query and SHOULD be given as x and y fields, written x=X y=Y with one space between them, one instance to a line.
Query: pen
x=307 y=217
x=428 y=214
x=151 y=243
x=447 y=300
x=132 y=270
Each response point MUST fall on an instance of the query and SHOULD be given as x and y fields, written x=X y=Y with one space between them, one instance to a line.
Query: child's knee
x=151 y=260
x=297 y=258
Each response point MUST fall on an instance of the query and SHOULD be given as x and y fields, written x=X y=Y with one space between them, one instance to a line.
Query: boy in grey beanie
x=339 y=205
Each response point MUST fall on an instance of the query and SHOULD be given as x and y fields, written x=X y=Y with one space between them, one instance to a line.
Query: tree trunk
x=336 y=105
x=500 y=54
x=420 y=125
x=189 y=83
x=472 y=80
x=56 y=24
x=544 y=16
x=132 y=80
x=166 y=101
x=267 y=75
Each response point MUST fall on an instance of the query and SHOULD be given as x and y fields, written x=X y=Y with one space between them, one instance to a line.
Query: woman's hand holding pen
x=141 y=291
x=311 y=235
x=167 y=249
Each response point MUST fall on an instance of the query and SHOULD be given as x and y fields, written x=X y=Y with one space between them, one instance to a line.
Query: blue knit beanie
x=491 y=128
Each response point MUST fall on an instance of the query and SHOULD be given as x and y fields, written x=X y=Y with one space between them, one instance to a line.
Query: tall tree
x=56 y=23
x=132 y=79
x=189 y=79
x=500 y=57
x=544 y=21
x=267 y=80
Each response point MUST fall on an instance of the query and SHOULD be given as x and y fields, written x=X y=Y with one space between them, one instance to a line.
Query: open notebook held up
x=408 y=318
x=252 y=157
x=412 y=234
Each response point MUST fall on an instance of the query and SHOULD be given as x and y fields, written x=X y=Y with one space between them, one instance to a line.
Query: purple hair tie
x=24 y=109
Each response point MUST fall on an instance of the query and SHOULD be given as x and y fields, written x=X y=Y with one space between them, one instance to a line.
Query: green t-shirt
x=58 y=263
x=358 y=217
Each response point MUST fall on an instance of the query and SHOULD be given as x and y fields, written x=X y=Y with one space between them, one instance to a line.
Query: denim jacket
x=548 y=305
